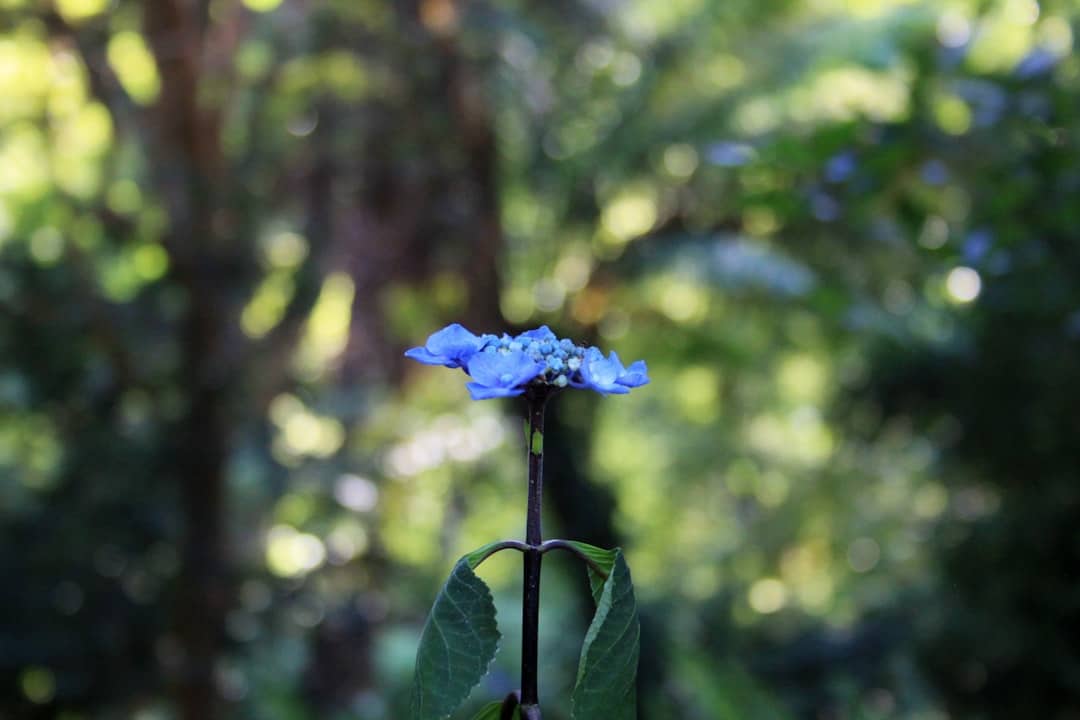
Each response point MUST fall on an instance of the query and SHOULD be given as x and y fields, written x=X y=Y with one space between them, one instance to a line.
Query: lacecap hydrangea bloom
x=506 y=366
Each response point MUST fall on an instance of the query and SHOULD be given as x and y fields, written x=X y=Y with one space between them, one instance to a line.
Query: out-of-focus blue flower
x=504 y=366
x=452 y=346
x=501 y=374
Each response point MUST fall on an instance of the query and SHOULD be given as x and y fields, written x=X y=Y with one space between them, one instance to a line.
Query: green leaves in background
x=458 y=643
x=607 y=672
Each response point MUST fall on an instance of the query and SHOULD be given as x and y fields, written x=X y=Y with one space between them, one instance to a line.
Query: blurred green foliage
x=842 y=233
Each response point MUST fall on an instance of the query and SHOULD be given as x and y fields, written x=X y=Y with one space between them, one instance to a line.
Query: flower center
x=505 y=378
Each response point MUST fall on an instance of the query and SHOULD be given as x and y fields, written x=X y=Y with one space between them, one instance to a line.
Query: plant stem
x=530 y=605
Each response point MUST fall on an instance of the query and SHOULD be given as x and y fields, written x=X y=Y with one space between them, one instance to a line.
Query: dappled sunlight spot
x=46 y=246
x=697 y=391
x=626 y=69
x=934 y=233
x=683 y=301
x=630 y=213
x=931 y=500
x=573 y=269
x=757 y=116
x=439 y=16
x=640 y=496
x=119 y=279
x=952 y=114
x=294 y=508
x=760 y=221
x=124 y=197
x=134 y=65
x=79 y=141
x=355 y=492
x=31 y=444
x=262 y=5
x=723 y=72
x=22 y=174
x=805 y=569
x=953 y=28
x=767 y=595
x=344 y=73
x=517 y=304
x=268 y=304
x=680 y=160
x=614 y=324
x=549 y=294
x=327 y=331
x=151 y=261
x=25 y=63
x=68 y=92
x=963 y=285
x=414 y=538
x=38 y=684
x=635 y=456
x=701 y=581
x=815 y=594
x=449 y=437
x=346 y=541
x=75 y=11
x=283 y=250
x=863 y=554
x=646 y=19
x=802 y=379
x=302 y=432
x=1002 y=36
x=1055 y=34
x=845 y=93
x=873 y=8
x=290 y=553
x=772 y=489
x=525 y=215
x=801 y=435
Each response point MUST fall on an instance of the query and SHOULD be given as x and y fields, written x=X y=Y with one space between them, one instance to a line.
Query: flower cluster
x=505 y=366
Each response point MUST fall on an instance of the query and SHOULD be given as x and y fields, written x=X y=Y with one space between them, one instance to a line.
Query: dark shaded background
x=842 y=234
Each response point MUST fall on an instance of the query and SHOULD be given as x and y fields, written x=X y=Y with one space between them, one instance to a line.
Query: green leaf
x=457 y=645
x=607 y=672
x=478 y=555
x=604 y=558
x=493 y=711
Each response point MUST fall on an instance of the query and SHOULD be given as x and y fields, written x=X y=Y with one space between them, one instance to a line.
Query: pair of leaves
x=461 y=637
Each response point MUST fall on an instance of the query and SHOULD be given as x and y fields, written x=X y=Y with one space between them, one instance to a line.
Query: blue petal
x=483 y=392
x=422 y=355
x=635 y=376
x=454 y=343
x=503 y=369
x=601 y=375
x=541 y=333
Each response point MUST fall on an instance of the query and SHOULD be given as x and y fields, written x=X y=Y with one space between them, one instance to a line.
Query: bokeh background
x=842 y=233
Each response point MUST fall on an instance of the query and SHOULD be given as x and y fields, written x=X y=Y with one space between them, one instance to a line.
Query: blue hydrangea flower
x=506 y=366
x=452 y=346
x=501 y=374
